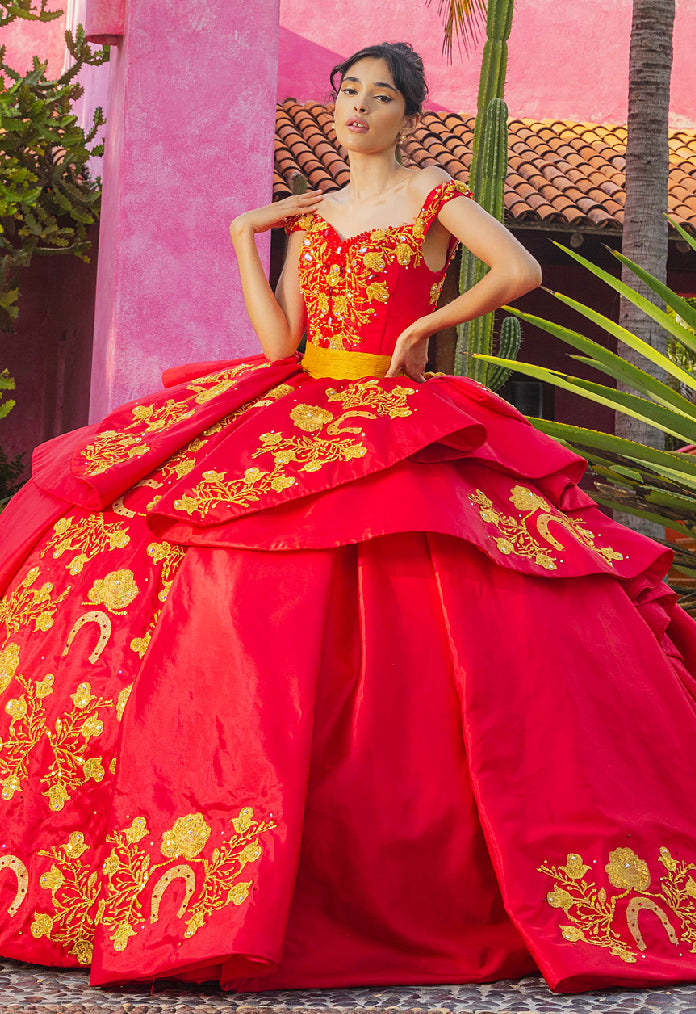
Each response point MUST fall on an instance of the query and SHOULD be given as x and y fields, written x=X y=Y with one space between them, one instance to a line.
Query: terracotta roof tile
x=560 y=171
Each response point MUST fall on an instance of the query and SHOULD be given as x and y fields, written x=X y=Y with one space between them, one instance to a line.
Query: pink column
x=189 y=145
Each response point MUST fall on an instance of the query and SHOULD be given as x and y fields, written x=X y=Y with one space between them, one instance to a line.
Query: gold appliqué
x=113 y=447
x=331 y=441
x=70 y=740
x=168 y=557
x=596 y=917
x=83 y=898
x=17 y=867
x=116 y=591
x=340 y=294
x=518 y=537
x=27 y=605
x=86 y=537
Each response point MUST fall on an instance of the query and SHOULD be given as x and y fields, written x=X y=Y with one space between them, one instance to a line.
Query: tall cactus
x=487 y=182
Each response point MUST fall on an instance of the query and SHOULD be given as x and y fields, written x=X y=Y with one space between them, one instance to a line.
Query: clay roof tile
x=563 y=171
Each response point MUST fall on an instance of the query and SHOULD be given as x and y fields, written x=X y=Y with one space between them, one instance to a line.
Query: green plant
x=49 y=198
x=10 y=468
x=659 y=485
x=487 y=181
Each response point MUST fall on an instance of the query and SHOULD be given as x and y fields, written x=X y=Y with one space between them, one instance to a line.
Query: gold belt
x=340 y=364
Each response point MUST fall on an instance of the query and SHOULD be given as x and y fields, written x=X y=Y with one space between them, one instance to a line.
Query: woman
x=318 y=673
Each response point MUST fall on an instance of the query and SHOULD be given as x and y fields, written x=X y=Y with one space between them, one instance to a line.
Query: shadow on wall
x=304 y=68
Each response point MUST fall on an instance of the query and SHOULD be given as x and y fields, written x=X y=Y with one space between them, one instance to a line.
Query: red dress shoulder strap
x=298 y=223
x=438 y=197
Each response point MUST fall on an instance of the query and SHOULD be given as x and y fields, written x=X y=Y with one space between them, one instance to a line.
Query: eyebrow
x=378 y=84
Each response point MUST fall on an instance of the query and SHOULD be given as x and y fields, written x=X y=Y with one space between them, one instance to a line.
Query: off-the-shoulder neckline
x=366 y=233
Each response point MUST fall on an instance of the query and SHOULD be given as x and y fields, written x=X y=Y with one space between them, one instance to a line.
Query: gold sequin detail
x=81 y=898
x=528 y=536
x=332 y=440
x=612 y=920
x=116 y=591
x=340 y=295
x=86 y=537
x=116 y=446
x=27 y=605
x=17 y=867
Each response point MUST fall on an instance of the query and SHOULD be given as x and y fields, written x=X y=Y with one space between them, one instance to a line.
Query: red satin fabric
x=316 y=683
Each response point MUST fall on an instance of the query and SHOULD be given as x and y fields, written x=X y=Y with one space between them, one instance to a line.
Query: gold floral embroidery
x=116 y=591
x=83 y=898
x=342 y=279
x=435 y=290
x=372 y=394
x=207 y=388
x=9 y=661
x=169 y=558
x=362 y=399
x=87 y=537
x=112 y=447
x=26 y=605
x=70 y=740
x=599 y=918
x=517 y=537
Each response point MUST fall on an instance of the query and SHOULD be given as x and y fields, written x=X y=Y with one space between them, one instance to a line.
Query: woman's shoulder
x=424 y=181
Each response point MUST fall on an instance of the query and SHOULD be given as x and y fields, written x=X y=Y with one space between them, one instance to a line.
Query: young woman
x=316 y=672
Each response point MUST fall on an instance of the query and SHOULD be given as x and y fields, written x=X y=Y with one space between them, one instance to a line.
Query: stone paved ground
x=27 y=989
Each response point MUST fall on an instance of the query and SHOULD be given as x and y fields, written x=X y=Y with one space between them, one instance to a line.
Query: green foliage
x=6 y=384
x=487 y=181
x=49 y=199
x=643 y=481
x=10 y=468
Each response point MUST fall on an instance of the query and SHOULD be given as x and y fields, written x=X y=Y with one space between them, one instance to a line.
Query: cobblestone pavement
x=28 y=989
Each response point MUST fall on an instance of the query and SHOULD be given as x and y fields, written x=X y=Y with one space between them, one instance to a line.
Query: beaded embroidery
x=598 y=917
x=344 y=280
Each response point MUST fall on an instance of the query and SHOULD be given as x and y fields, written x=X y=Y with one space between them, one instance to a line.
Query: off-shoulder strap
x=438 y=197
x=299 y=223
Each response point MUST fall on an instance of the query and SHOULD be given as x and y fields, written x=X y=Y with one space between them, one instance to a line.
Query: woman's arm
x=279 y=320
x=513 y=271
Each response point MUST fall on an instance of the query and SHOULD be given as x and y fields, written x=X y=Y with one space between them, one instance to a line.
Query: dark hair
x=406 y=69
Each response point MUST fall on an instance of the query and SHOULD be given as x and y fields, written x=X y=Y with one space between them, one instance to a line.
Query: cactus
x=508 y=348
x=487 y=182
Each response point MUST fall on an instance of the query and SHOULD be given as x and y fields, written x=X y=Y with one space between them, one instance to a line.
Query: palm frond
x=463 y=20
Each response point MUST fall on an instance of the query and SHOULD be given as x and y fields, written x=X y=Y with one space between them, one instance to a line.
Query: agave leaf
x=666 y=419
x=598 y=351
x=683 y=233
x=642 y=381
x=670 y=297
x=662 y=318
x=659 y=519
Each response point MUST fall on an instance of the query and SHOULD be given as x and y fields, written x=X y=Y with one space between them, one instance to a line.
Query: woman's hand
x=262 y=219
x=411 y=351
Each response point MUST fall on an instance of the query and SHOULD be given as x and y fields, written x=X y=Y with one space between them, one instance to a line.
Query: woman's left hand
x=411 y=352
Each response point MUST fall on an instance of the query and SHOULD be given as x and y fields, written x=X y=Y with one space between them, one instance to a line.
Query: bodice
x=362 y=291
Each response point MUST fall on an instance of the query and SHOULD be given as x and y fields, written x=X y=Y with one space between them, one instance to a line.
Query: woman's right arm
x=279 y=320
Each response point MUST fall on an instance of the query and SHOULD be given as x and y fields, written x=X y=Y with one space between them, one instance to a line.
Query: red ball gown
x=314 y=678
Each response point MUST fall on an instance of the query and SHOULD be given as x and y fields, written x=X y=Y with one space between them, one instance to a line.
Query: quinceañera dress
x=315 y=678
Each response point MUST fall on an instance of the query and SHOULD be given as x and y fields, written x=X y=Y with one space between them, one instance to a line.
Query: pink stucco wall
x=189 y=145
x=567 y=59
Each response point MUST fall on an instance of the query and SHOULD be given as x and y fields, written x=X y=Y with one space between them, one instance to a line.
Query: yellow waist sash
x=341 y=364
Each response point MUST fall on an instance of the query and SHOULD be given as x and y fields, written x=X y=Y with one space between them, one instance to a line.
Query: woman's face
x=369 y=114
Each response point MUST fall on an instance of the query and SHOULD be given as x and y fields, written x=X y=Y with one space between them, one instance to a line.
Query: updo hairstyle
x=406 y=69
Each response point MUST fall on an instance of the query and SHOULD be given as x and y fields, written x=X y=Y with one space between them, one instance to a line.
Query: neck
x=372 y=176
